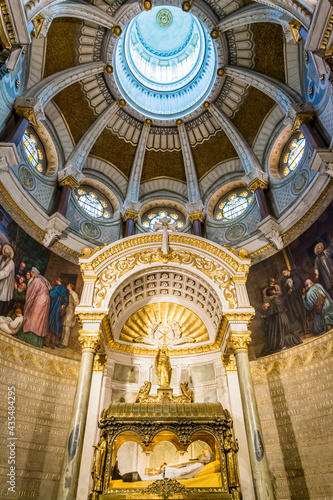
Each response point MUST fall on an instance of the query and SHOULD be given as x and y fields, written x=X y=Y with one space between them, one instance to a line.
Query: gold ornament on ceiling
x=164 y=324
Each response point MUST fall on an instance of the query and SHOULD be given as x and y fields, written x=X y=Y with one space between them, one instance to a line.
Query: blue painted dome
x=165 y=63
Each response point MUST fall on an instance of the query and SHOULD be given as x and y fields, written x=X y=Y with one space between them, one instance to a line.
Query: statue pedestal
x=165 y=394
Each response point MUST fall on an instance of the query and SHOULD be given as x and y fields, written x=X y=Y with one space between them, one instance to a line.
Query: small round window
x=233 y=205
x=93 y=203
x=293 y=154
x=34 y=150
x=152 y=217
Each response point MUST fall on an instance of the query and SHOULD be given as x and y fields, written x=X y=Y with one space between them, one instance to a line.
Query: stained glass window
x=233 y=205
x=154 y=216
x=293 y=154
x=34 y=150
x=93 y=203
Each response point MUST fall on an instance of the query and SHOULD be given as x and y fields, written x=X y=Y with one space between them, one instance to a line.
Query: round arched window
x=93 y=203
x=233 y=205
x=34 y=150
x=152 y=217
x=293 y=154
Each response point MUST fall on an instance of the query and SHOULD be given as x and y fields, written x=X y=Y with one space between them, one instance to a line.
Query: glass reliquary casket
x=178 y=450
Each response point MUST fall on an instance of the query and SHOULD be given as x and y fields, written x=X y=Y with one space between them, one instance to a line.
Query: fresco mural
x=38 y=292
x=292 y=291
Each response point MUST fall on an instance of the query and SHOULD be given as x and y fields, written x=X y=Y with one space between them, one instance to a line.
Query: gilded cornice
x=180 y=239
x=16 y=212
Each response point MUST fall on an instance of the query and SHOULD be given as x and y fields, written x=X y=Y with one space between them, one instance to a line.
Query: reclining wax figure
x=184 y=470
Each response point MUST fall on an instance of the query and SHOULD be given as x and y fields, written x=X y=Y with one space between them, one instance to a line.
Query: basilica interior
x=166 y=249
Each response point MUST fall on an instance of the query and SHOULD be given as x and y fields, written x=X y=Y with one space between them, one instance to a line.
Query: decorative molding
x=28 y=358
x=47 y=88
x=30 y=108
x=279 y=364
x=283 y=95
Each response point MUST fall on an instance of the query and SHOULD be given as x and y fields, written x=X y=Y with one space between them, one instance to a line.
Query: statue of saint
x=99 y=461
x=163 y=368
x=231 y=448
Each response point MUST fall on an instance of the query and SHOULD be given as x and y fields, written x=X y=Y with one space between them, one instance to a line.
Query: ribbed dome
x=165 y=63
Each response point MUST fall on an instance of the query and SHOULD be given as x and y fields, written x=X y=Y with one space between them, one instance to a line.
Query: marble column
x=236 y=409
x=91 y=430
x=90 y=342
x=131 y=206
x=263 y=488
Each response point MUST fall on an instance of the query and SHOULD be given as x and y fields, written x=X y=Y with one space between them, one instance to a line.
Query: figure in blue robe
x=59 y=298
x=315 y=298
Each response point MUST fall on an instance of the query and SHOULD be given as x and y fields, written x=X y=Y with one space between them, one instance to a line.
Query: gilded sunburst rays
x=164 y=314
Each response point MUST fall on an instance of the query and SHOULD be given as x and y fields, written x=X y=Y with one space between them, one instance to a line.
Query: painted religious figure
x=59 y=301
x=324 y=265
x=317 y=299
x=36 y=309
x=69 y=320
x=291 y=287
x=7 y=278
x=278 y=330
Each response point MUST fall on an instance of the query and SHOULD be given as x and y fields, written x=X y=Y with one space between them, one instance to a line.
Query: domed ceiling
x=180 y=60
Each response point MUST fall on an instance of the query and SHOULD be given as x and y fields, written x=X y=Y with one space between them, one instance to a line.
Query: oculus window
x=293 y=154
x=233 y=205
x=93 y=203
x=165 y=63
x=34 y=150
x=153 y=216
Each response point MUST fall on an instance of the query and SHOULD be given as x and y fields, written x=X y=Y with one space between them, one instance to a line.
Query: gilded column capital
x=301 y=118
x=100 y=362
x=220 y=71
x=130 y=214
x=148 y=122
x=256 y=179
x=196 y=216
x=239 y=341
x=90 y=340
x=70 y=176
x=179 y=122
x=229 y=363
x=29 y=108
x=206 y=104
x=122 y=103
x=295 y=26
x=108 y=69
